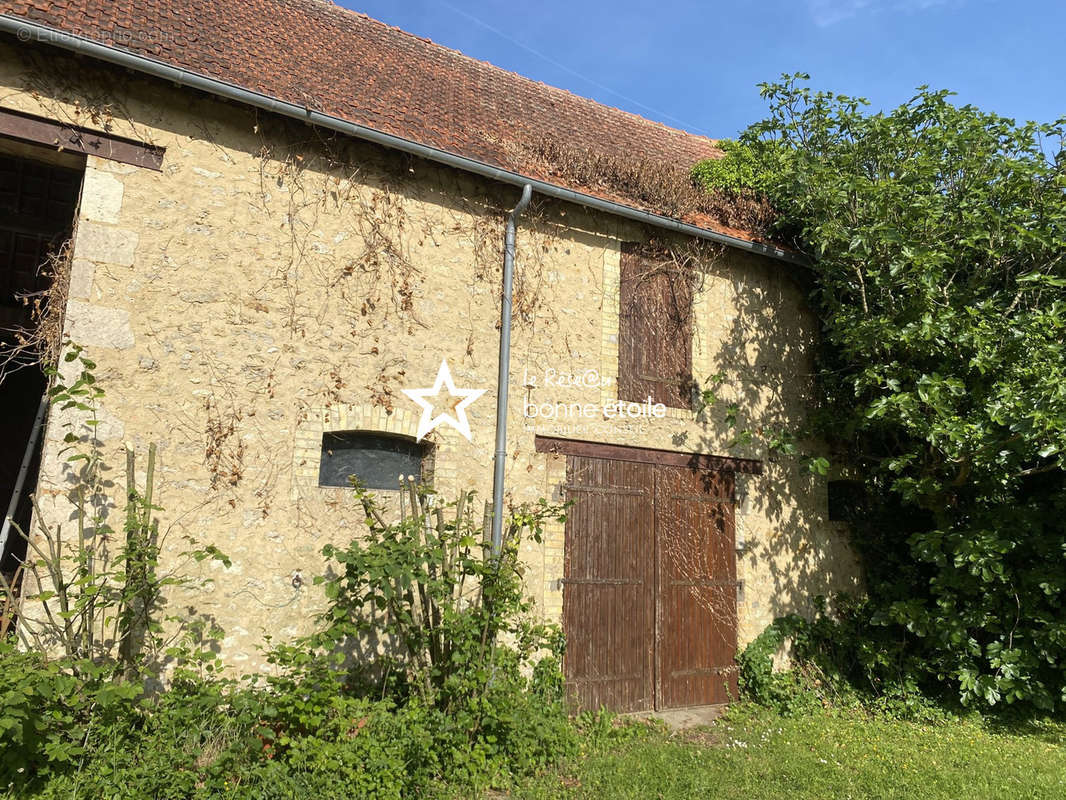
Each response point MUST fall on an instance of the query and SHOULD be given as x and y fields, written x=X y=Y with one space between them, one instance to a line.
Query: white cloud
x=829 y=12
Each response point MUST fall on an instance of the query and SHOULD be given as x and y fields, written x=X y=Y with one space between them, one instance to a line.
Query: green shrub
x=935 y=236
x=742 y=169
x=474 y=699
x=758 y=681
x=461 y=639
x=49 y=714
x=219 y=738
x=214 y=737
x=797 y=689
x=837 y=664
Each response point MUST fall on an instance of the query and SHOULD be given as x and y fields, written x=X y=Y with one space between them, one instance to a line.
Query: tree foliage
x=741 y=171
x=937 y=236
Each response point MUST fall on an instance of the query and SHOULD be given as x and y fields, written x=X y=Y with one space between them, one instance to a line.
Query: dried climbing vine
x=40 y=342
x=660 y=187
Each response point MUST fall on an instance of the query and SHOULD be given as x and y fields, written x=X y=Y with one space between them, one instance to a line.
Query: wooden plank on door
x=607 y=588
x=696 y=602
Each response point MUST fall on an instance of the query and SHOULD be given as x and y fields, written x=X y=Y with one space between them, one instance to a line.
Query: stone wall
x=269 y=284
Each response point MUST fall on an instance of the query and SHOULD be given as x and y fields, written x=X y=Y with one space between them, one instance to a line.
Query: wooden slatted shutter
x=654 y=331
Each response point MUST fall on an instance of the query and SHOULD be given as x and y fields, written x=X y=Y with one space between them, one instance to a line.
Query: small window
x=654 y=330
x=375 y=459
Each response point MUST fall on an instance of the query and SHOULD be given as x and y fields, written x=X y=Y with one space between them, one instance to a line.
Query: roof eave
x=26 y=30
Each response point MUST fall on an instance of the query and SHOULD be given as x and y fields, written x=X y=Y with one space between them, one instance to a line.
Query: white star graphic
x=428 y=422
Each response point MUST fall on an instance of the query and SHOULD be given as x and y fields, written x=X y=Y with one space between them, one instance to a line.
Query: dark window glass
x=377 y=461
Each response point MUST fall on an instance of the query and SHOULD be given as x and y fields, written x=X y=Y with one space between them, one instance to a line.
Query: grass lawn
x=753 y=754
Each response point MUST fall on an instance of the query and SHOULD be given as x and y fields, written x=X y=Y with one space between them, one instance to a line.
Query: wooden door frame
x=645 y=455
x=60 y=136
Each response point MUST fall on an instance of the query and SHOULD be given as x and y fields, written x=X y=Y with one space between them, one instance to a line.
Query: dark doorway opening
x=39 y=192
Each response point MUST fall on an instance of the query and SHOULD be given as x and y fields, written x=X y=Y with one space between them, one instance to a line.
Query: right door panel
x=696 y=601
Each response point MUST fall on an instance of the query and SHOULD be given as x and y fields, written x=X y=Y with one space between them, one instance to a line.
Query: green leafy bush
x=801 y=688
x=937 y=241
x=742 y=169
x=456 y=634
x=758 y=681
x=206 y=739
x=49 y=712
x=427 y=588
x=840 y=662
x=471 y=695
x=62 y=735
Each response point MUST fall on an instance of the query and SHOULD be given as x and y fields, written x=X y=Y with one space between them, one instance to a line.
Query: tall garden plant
x=424 y=598
x=93 y=592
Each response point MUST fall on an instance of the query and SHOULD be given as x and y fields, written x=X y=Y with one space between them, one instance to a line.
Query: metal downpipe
x=504 y=377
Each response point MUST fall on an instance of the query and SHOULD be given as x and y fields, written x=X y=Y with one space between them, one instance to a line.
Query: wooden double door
x=649 y=593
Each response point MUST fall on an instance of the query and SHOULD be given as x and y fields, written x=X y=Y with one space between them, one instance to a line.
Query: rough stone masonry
x=265 y=287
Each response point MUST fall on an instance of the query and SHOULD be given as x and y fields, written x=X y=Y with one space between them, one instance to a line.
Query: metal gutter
x=27 y=31
x=503 y=380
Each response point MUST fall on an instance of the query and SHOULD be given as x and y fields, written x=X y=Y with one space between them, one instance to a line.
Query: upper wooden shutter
x=654 y=331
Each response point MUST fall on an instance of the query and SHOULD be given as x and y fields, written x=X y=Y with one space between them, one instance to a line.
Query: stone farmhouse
x=268 y=220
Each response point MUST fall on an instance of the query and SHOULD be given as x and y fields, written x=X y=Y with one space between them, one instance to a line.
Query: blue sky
x=695 y=65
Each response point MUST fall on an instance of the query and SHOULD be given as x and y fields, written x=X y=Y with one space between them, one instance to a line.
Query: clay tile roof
x=345 y=64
